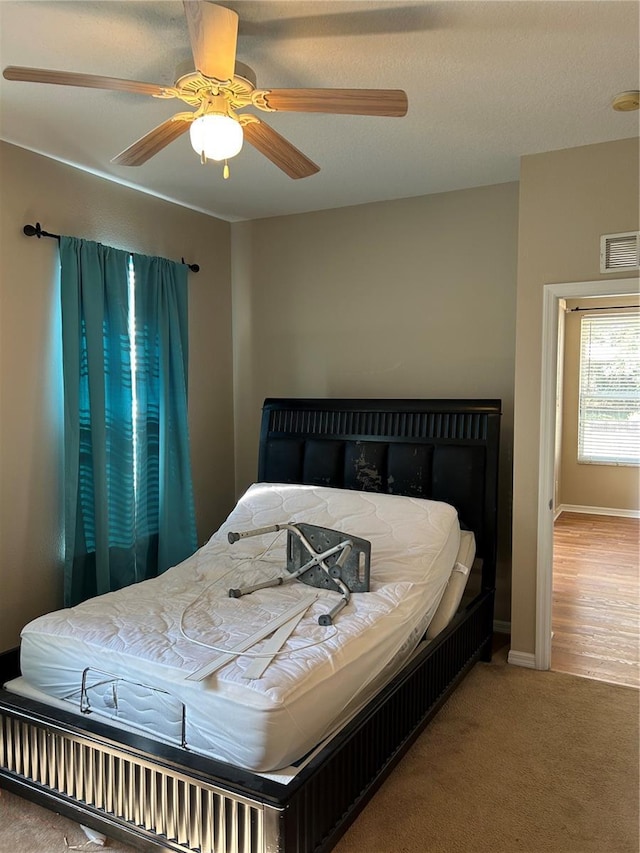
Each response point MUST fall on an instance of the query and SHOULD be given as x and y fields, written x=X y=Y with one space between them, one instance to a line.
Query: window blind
x=609 y=397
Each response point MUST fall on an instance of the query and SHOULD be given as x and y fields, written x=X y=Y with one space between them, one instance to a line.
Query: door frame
x=552 y=296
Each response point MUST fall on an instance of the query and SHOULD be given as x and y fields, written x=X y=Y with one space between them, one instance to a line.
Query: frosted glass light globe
x=219 y=136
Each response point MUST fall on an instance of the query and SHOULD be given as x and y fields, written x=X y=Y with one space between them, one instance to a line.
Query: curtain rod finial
x=192 y=267
x=33 y=231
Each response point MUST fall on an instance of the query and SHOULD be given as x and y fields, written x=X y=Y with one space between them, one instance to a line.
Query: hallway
x=596 y=587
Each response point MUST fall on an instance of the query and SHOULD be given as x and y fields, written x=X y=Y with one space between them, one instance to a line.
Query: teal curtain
x=165 y=508
x=128 y=498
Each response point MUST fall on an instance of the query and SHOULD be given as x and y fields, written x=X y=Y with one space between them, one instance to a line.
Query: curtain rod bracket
x=37 y=231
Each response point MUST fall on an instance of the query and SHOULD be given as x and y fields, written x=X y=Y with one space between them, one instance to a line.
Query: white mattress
x=154 y=634
x=456 y=585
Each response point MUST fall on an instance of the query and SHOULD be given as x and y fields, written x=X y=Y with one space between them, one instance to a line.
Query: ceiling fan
x=219 y=88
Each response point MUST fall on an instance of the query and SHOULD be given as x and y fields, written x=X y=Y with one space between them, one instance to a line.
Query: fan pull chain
x=203 y=158
x=225 y=171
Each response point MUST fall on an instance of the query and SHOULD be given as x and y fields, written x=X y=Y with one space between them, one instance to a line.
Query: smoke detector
x=626 y=101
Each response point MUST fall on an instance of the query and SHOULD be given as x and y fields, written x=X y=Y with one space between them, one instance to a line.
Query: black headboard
x=443 y=450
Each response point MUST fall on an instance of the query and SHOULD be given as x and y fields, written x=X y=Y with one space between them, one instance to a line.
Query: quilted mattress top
x=160 y=631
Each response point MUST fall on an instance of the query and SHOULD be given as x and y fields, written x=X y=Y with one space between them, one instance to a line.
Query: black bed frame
x=153 y=795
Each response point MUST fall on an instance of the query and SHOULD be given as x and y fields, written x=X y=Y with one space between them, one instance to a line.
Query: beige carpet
x=517 y=761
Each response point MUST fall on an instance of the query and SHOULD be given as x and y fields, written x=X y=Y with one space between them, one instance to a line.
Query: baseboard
x=525 y=659
x=598 y=510
x=500 y=627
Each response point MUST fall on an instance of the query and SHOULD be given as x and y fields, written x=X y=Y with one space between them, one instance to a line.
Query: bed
x=184 y=789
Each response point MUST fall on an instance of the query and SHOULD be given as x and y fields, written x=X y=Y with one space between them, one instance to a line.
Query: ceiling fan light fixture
x=216 y=136
x=626 y=101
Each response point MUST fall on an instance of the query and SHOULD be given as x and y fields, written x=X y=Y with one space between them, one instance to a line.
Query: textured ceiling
x=487 y=82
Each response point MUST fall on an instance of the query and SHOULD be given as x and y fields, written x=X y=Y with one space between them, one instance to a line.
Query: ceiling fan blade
x=213 y=31
x=277 y=149
x=88 y=81
x=364 y=102
x=154 y=141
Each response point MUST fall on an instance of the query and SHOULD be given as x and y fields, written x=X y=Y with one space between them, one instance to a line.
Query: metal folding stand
x=320 y=557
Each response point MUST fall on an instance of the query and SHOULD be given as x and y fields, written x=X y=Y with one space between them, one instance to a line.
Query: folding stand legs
x=329 y=576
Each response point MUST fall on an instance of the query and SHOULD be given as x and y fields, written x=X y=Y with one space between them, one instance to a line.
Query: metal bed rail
x=117 y=789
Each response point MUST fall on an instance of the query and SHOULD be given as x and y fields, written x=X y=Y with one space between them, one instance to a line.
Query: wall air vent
x=620 y=252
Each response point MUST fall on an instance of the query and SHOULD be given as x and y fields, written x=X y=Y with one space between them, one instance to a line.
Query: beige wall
x=410 y=298
x=68 y=201
x=414 y=297
x=614 y=487
x=568 y=199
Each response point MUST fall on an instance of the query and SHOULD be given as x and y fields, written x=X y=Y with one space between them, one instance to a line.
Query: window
x=609 y=399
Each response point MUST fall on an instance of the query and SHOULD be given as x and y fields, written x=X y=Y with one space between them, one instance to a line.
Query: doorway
x=553 y=297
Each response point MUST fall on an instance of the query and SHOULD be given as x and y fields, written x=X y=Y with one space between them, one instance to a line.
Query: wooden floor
x=596 y=591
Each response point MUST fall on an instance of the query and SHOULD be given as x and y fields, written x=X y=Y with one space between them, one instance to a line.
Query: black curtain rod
x=604 y=308
x=37 y=231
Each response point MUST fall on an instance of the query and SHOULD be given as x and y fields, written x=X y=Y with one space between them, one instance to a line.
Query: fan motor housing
x=244 y=80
